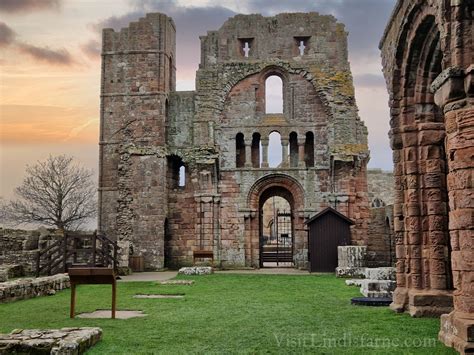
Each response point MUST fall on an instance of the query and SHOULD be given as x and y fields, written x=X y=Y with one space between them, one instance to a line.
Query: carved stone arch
x=252 y=69
x=276 y=180
x=414 y=17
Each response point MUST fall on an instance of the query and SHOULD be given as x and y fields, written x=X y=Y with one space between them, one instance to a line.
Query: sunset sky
x=50 y=68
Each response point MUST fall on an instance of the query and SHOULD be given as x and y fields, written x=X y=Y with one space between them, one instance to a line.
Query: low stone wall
x=32 y=287
x=10 y=271
x=64 y=341
x=21 y=247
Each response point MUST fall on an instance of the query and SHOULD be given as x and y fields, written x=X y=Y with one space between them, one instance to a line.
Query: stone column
x=264 y=152
x=248 y=154
x=454 y=92
x=301 y=162
x=284 y=153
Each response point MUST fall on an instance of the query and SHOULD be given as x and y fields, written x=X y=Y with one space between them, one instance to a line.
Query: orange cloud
x=47 y=124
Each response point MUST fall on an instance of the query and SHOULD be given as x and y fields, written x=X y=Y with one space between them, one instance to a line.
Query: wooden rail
x=86 y=250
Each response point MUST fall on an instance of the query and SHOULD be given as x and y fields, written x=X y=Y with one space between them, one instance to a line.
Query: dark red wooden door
x=325 y=234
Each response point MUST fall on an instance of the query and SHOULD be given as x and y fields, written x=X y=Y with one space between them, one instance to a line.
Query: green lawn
x=236 y=314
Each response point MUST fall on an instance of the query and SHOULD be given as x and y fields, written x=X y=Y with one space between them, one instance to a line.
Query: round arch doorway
x=276 y=232
x=290 y=190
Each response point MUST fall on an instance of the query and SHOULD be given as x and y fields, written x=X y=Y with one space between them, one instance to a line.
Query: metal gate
x=277 y=248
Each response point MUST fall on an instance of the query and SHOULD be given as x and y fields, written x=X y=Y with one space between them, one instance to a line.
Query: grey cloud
x=91 y=49
x=24 y=6
x=191 y=22
x=365 y=20
x=370 y=80
x=7 y=35
x=47 y=55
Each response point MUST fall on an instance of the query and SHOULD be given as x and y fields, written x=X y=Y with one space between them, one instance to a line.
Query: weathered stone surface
x=64 y=341
x=380 y=273
x=432 y=120
x=196 y=270
x=149 y=131
x=32 y=287
x=377 y=288
x=177 y=282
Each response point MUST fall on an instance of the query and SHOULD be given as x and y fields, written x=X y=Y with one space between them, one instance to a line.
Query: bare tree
x=55 y=192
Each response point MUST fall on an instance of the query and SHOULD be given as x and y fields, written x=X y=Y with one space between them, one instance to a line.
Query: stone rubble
x=177 y=282
x=64 y=341
x=196 y=270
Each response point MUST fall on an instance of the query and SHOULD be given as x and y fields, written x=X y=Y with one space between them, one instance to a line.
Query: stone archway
x=427 y=61
x=291 y=190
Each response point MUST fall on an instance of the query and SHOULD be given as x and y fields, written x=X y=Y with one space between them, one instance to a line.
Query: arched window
x=293 y=150
x=274 y=94
x=274 y=150
x=182 y=176
x=309 y=149
x=256 y=150
x=239 y=150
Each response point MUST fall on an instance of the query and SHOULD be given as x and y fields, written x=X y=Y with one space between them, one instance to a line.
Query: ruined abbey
x=427 y=53
x=190 y=171
x=187 y=171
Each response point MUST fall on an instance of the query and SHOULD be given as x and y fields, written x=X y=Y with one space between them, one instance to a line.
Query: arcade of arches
x=428 y=64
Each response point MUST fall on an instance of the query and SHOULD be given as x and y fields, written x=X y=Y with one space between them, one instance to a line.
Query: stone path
x=149 y=276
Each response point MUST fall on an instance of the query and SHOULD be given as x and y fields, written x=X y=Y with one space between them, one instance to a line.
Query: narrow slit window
x=182 y=176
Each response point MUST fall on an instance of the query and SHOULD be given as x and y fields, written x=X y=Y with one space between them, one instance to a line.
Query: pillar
x=301 y=144
x=264 y=143
x=284 y=153
x=248 y=154
x=454 y=92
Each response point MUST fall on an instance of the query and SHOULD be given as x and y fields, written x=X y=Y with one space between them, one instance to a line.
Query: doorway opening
x=276 y=231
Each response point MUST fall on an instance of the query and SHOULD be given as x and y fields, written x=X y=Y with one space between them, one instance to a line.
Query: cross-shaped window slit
x=246 y=49
x=302 y=47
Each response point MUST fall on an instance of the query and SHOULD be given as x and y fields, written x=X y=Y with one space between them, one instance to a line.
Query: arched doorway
x=276 y=228
x=289 y=233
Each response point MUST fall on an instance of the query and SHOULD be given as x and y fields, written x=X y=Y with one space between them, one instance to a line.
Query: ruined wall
x=380 y=187
x=381 y=241
x=138 y=73
x=427 y=56
x=149 y=133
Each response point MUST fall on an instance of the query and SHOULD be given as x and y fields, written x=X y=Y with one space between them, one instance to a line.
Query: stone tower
x=138 y=75
x=190 y=171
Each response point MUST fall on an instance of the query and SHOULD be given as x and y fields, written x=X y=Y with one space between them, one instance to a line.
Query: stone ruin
x=427 y=56
x=182 y=171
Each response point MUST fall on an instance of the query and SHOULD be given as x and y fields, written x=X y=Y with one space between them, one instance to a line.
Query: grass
x=236 y=314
